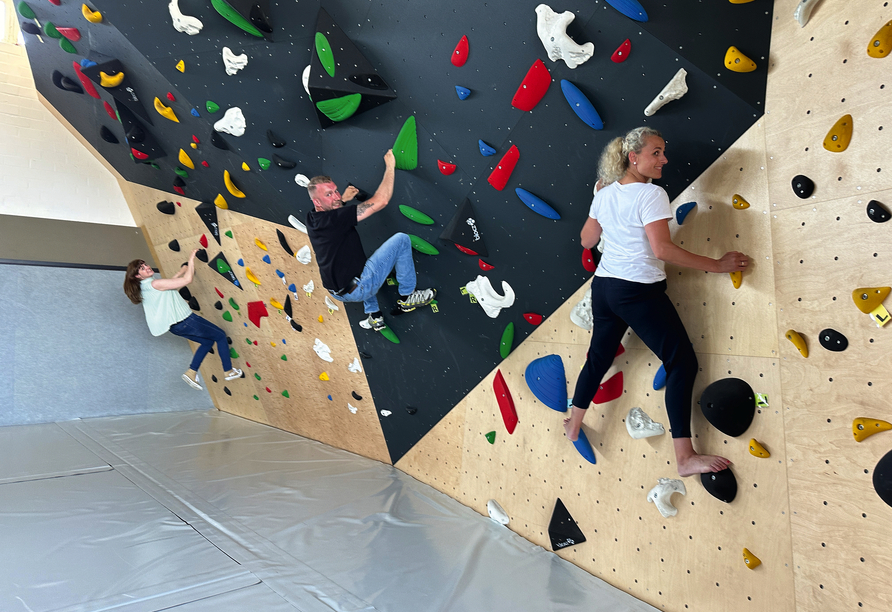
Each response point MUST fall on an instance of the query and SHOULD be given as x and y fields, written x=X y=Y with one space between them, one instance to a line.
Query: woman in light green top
x=167 y=311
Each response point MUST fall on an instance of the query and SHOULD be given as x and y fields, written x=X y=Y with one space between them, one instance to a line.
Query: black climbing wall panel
x=442 y=355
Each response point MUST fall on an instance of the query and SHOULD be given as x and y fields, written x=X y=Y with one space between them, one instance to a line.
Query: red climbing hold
x=179 y=190
x=532 y=318
x=111 y=112
x=72 y=34
x=205 y=164
x=622 y=52
x=267 y=390
x=502 y=172
x=506 y=402
x=86 y=82
x=533 y=87
x=465 y=250
x=256 y=310
x=170 y=97
x=203 y=241
x=610 y=389
x=255 y=343
x=620 y=350
x=178 y=204
x=195 y=139
x=588 y=262
x=484 y=266
x=446 y=168
x=247 y=364
x=218 y=292
x=56 y=2
x=460 y=55
x=138 y=154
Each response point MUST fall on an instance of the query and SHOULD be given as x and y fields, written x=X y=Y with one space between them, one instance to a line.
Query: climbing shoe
x=376 y=323
x=417 y=299
x=233 y=374
x=192 y=382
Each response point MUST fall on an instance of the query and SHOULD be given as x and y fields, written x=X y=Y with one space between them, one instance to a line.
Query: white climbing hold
x=183 y=23
x=661 y=495
x=355 y=367
x=322 y=350
x=233 y=62
x=305 y=79
x=640 y=425
x=803 y=11
x=386 y=413
x=673 y=90
x=233 y=122
x=486 y=296
x=330 y=303
x=302 y=180
x=308 y=288
x=296 y=224
x=496 y=512
x=303 y=255
x=351 y=407
x=581 y=314
x=552 y=30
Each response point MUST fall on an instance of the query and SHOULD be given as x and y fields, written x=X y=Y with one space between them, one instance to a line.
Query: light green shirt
x=163 y=308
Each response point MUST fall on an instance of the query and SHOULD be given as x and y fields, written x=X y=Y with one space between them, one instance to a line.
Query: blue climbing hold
x=195 y=113
x=584 y=448
x=292 y=288
x=682 y=211
x=536 y=204
x=245 y=324
x=283 y=341
x=630 y=8
x=485 y=149
x=266 y=259
x=329 y=398
x=280 y=274
x=241 y=262
x=85 y=63
x=546 y=379
x=660 y=378
x=581 y=105
x=463 y=92
x=235 y=282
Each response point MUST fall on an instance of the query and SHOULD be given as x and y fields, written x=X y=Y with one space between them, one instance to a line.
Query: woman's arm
x=661 y=243
x=181 y=279
x=591 y=233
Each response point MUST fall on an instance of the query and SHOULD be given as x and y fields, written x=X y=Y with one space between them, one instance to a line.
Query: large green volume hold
x=507 y=340
x=388 y=333
x=338 y=109
x=26 y=11
x=232 y=16
x=423 y=246
x=323 y=51
x=416 y=215
x=405 y=148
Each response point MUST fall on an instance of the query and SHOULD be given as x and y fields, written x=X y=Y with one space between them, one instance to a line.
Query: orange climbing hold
x=533 y=87
x=460 y=55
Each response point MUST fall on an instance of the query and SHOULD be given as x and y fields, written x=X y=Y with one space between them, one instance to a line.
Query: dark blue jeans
x=618 y=304
x=204 y=333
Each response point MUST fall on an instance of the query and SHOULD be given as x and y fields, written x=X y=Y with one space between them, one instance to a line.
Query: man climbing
x=346 y=271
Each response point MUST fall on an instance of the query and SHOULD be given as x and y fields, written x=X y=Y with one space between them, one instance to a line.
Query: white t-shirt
x=623 y=211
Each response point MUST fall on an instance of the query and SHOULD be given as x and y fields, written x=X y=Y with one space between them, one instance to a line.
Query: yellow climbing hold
x=737 y=61
x=751 y=560
x=798 y=341
x=881 y=42
x=246 y=167
x=186 y=160
x=91 y=16
x=271 y=343
x=840 y=135
x=259 y=243
x=181 y=66
x=321 y=319
x=757 y=450
x=738 y=202
x=736 y=278
x=193 y=145
x=275 y=304
x=220 y=202
x=165 y=111
x=867 y=299
x=107 y=80
x=323 y=376
x=251 y=277
x=740 y=1
x=230 y=186
x=863 y=428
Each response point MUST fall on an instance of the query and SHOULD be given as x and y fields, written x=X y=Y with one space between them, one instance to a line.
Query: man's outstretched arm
x=382 y=196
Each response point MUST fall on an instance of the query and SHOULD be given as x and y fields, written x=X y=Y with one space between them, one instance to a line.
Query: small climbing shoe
x=192 y=382
x=233 y=374
x=417 y=299
x=373 y=322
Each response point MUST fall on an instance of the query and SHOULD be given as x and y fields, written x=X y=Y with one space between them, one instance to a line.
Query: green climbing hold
x=405 y=148
x=212 y=107
x=227 y=316
x=285 y=393
x=181 y=172
x=264 y=163
x=323 y=50
x=284 y=357
x=67 y=46
x=153 y=164
x=232 y=353
x=231 y=15
x=416 y=215
x=388 y=333
x=223 y=267
x=50 y=30
x=25 y=11
x=338 y=109
x=491 y=437
x=423 y=246
x=247 y=341
x=507 y=340
x=228 y=234
x=257 y=398
x=233 y=304
x=256 y=375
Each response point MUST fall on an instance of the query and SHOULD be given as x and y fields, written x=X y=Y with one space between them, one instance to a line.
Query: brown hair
x=132 y=287
x=317 y=180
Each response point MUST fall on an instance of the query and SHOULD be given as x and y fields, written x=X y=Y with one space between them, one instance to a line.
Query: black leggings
x=618 y=304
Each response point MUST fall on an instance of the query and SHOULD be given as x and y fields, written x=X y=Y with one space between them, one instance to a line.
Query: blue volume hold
x=630 y=8
x=194 y=112
x=581 y=105
x=584 y=448
x=682 y=211
x=463 y=92
x=546 y=379
x=485 y=149
x=660 y=378
x=536 y=204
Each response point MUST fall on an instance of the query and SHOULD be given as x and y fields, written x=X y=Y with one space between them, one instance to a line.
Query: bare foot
x=568 y=429
x=701 y=464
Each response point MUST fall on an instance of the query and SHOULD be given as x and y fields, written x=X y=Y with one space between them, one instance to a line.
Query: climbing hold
x=465 y=250
x=183 y=23
x=581 y=314
x=324 y=376
x=303 y=181
x=266 y=259
x=498 y=178
x=235 y=18
x=736 y=278
x=581 y=105
x=484 y=266
x=390 y=335
x=174 y=246
x=463 y=231
x=341 y=108
x=882 y=478
x=164 y=111
x=220 y=264
x=491 y=302
x=263 y=163
x=181 y=66
x=863 y=427
x=803 y=11
x=218 y=305
x=277 y=305
x=840 y=135
x=507 y=341
x=490 y=437
x=241 y=262
x=423 y=246
x=64 y=83
x=532 y=318
x=622 y=52
x=721 y=485
x=737 y=61
x=803 y=186
x=881 y=42
x=212 y=107
x=460 y=55
x=256 y=310
x=284 y=244
x=329 y=303
x=867 y=299
x=585 y=448
x=877 y=212
x=661 y=495
x=323 y=52
x=303 y=255
x=462 y=92
x=230 y=185
x=832 y=340
x=89 y=87
x=729 y=405
x=674 y=89
x=233 y=304
x=201 y=255
x=203 y=241
x=109 y=81
x=29 y=28
x=180 y=172
x=798 y=341
x=227 y=317
x=609 y=390
x=588 y=260
x=66 y=46
x=232 y=63
x=246 y=167
x=91 y=16
x=551 y=28
x=72 y=34
x=185 y=159
x=220 y=202
x=751 y=560
x=260 y=244
x=757 y=450
x=660 y=378
x=233 y=122
x=533 y=87
x=228 y=235
x=640 y=425
x=682 y=211
x=356 y=396
x=26 y=11
x=275 y=140
x=416 y=215
x=536 y=204
x=562 y=529
x=405 y=148
x=547 y=380
x=141 y=155
x=166 y=207
x=506 y=402
x=284 y=164
x=630 y=8
x=738 y=202
x=485 y=149
x=252 y=277
x=445 y=167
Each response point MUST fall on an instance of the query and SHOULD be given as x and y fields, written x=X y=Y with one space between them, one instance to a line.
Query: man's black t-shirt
x=338 y=248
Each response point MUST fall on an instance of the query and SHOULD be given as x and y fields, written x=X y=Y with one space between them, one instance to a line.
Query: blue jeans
x=204 y=333
x=396 y=252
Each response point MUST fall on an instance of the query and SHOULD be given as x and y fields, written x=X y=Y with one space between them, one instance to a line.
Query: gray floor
x=206 y=511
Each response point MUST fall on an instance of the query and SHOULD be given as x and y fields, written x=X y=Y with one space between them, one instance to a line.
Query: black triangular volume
x=284 y=244
x=193 y=304
x=124 y=92
x=222 y=267
x=721 y=485
x=218 y=141
x=208 y=214
x=562 y=529
x=275 y=140
x=174 y=246
x=285 y=164
x=255 y=11
x=138 y=138
x=65 y=84
x=463 y=230
x=107 y=135
x=168 y=208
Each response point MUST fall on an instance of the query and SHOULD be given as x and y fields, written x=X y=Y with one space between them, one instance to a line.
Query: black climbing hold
x=370 y=81
x=213 y=378
x=179 y=182
x=107 y=136
x=285 y=164
x=882 y=478
x=364 y=355
x=361 y=195
x=877 y=212
x=803 y=186
x=227 y=391
x=208 y=213
x=134 y=133
x=463 y=230
x=411 y=409
x=30 y=28
x=832 y=340
x=174 y=246
x=211 y=351
x=168 y=208
x=296 y=326
x=562 y=529
x=259 y=17
x=218 y=141
x=275 y=140
x=721 y=485
x=193 y=303
x=218 y=305
x=228 y=340
x=185 y=293
x=356 y=396
x=287 y=307
x=64 y=83
x=284 y=242
x=729 y=405
x=201 y=255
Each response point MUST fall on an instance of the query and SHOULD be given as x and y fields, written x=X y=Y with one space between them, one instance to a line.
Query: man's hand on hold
x=389 y=159
x=349 y=193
